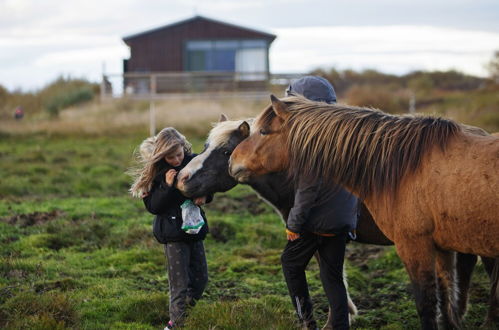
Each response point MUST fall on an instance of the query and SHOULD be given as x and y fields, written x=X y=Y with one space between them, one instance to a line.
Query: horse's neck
x=275 y=190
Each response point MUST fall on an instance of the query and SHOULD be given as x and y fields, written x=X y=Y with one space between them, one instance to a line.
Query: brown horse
x=430 y=184
x=208 y=173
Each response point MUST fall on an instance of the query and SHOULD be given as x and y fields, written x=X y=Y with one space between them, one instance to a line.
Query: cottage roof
x=263 y=35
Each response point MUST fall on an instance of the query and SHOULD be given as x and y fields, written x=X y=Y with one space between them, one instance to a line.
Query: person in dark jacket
x=164 y=156
x=320 y=220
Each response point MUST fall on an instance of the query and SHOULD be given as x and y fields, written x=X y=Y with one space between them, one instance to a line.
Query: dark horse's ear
x=280 y=108
x=222 y=118
x=244 y=129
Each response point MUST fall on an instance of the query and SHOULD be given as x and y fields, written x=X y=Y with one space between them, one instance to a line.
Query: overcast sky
x=40 y=40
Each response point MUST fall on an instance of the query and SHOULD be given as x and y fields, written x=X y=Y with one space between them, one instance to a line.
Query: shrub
x=61 y=93
x=65 y=99
x=379 y=97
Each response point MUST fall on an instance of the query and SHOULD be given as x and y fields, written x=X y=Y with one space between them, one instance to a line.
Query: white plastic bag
x=192 y=220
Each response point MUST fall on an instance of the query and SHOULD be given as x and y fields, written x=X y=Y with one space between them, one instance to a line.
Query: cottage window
x=248 y=57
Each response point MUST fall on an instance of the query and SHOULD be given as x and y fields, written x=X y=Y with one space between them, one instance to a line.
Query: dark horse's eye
x=227 y=152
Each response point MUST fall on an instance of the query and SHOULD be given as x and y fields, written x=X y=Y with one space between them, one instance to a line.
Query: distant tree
x=444 y=80
x=65 y=92
x=493 y=67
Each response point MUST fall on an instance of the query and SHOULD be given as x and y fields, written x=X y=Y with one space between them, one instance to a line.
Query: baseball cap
x=313 y=88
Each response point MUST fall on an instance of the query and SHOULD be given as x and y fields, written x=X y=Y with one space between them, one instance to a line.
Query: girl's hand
x=170 y=176
x=200 y=200
x=292 y=236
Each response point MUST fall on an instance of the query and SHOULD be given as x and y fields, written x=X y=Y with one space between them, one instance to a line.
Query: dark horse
x=208 y=173
x=429 y=183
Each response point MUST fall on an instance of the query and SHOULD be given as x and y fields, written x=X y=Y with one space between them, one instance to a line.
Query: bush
x=68 y=98
x=447 y=80
x=61 y=93
x=379 y=97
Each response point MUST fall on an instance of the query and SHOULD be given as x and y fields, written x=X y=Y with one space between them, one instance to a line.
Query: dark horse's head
x=208 y=172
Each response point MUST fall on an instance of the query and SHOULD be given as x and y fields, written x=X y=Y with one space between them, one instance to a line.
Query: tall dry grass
x=122 y=116
x=479 y=107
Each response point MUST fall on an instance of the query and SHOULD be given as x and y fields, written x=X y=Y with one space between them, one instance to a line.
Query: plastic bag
x=192 y=220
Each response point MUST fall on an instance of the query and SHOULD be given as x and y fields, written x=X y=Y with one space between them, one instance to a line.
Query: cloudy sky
x=40 y=40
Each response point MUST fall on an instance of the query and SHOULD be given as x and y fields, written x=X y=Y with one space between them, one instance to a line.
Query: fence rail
x=191 y=85
x=163 y=85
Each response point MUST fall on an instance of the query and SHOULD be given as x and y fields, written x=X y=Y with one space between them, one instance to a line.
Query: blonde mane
x=364 y=149
x=220 y=133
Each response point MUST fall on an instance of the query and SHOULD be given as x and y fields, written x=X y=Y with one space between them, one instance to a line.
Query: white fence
x=191 y=85
x=152 y=86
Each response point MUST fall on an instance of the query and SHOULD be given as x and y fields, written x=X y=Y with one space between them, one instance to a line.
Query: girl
x=162 y=157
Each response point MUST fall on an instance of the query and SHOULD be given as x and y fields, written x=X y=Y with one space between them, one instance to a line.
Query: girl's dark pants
x=295 y=258
x=187 y=276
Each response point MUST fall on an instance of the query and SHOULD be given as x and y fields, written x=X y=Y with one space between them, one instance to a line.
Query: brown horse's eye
x=263 y=132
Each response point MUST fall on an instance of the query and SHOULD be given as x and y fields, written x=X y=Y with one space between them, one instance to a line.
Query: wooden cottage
x=200 y=45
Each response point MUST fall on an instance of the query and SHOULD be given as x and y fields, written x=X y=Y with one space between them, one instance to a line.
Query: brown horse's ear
x=280 y=108
x=244 y=129
x=222 y=118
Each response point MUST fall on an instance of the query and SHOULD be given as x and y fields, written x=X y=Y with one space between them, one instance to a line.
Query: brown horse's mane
x=361 y=148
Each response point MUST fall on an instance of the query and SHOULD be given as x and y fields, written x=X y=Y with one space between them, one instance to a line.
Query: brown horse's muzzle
x=238 y=171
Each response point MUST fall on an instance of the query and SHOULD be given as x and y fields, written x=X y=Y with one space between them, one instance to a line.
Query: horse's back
x=462 y=194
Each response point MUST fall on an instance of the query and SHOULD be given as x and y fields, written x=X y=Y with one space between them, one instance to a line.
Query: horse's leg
x=465 y=263
x=446 y=277
x=488 y=264
x=493 y=312
x=352 y=309
x=418 y=255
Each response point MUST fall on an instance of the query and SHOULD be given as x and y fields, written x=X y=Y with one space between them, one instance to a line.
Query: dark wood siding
x=162 y=49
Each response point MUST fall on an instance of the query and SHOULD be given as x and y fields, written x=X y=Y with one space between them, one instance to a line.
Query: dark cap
x=313 y=88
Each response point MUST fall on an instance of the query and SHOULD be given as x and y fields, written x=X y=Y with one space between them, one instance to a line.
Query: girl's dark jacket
x=164 y=201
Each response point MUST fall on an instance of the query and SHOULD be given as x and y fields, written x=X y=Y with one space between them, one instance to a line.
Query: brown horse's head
x=264 y=151
x=365 y=150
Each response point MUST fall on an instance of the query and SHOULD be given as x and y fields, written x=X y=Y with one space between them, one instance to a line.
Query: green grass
x=77 y=252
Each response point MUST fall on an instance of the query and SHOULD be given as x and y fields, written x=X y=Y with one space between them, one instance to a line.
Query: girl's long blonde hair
x=151 y=151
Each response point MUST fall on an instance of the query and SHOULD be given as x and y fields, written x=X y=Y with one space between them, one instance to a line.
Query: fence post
x=103 y=88
x=412 y=103
x=152 y=118
x=152 y=110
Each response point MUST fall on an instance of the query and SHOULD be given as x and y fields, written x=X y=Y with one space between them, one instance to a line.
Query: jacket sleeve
x=159 y=198
x=305 y=197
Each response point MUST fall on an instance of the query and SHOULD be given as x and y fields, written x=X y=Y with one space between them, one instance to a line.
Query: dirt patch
x=32 y=219
x=250 y=203
x=222 y=231
x=359 y=255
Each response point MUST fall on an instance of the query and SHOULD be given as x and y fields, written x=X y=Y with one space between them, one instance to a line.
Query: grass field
x=77 y=252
